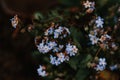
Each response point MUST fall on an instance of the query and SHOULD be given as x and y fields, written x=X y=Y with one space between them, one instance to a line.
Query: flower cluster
x=101 y=65
x=57 y=43
x=99 y=36
x=41 y=71
x=90 y=6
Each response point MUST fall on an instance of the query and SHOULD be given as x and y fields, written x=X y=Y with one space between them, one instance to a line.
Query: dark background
x=16 y=62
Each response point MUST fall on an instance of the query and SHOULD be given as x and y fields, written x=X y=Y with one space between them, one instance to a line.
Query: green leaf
x=74 y=62
x=82 y=74
x=76 y=35
x=38 y=16
x=87 y=58
x=54 y=13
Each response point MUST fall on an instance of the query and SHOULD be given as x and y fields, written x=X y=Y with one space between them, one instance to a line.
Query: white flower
x=99 y=22
x=75 y=49
x=52 y=44
x=57 y=62
x=14 y=21
x=43 y=48
x=46 y=49
x=40 y=47
x=41 y=72
x=102 y=61
x=101 y=65
x=52 y=59
x=93 y=39
x=71 y=49
x=59 y=30
x=100 y=68
x=61 y=57
x=87 y=4
x=56 y=35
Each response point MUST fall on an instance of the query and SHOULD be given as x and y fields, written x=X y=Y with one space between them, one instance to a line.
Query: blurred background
x=16 y=62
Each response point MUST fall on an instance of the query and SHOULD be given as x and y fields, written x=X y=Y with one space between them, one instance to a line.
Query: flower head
x=101 y=65
x=102 y=62
x=71 y=49
x=99 y=22
x=41 y=71
x=14 y=21
x=87 y=4
x=61 y=57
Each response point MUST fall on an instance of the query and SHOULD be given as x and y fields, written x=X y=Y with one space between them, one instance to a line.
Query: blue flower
x=71 y=49
x=52 y=59
x=56 y=35
x=102 y=62
x=114 y=67
x=52 y=44
x=57 y=62
x=99 y=22
x=61 y=57
x=101 y=65
x=41 y=72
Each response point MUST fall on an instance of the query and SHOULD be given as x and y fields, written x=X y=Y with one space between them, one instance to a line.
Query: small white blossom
x=14 y=21
x=43 y=48
x=59 y=30
x=56 y=35
x=52 y=44
x=52 y=59
x=87 y=4
x=61 y=57
x=113 y=45
x=99 y=22
x=75 y=49
x=41 y=72
x=100 y=68
x=101 y=65
x=71 y=49
x=102 y=61
x=57 y=62
x=93 y=39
